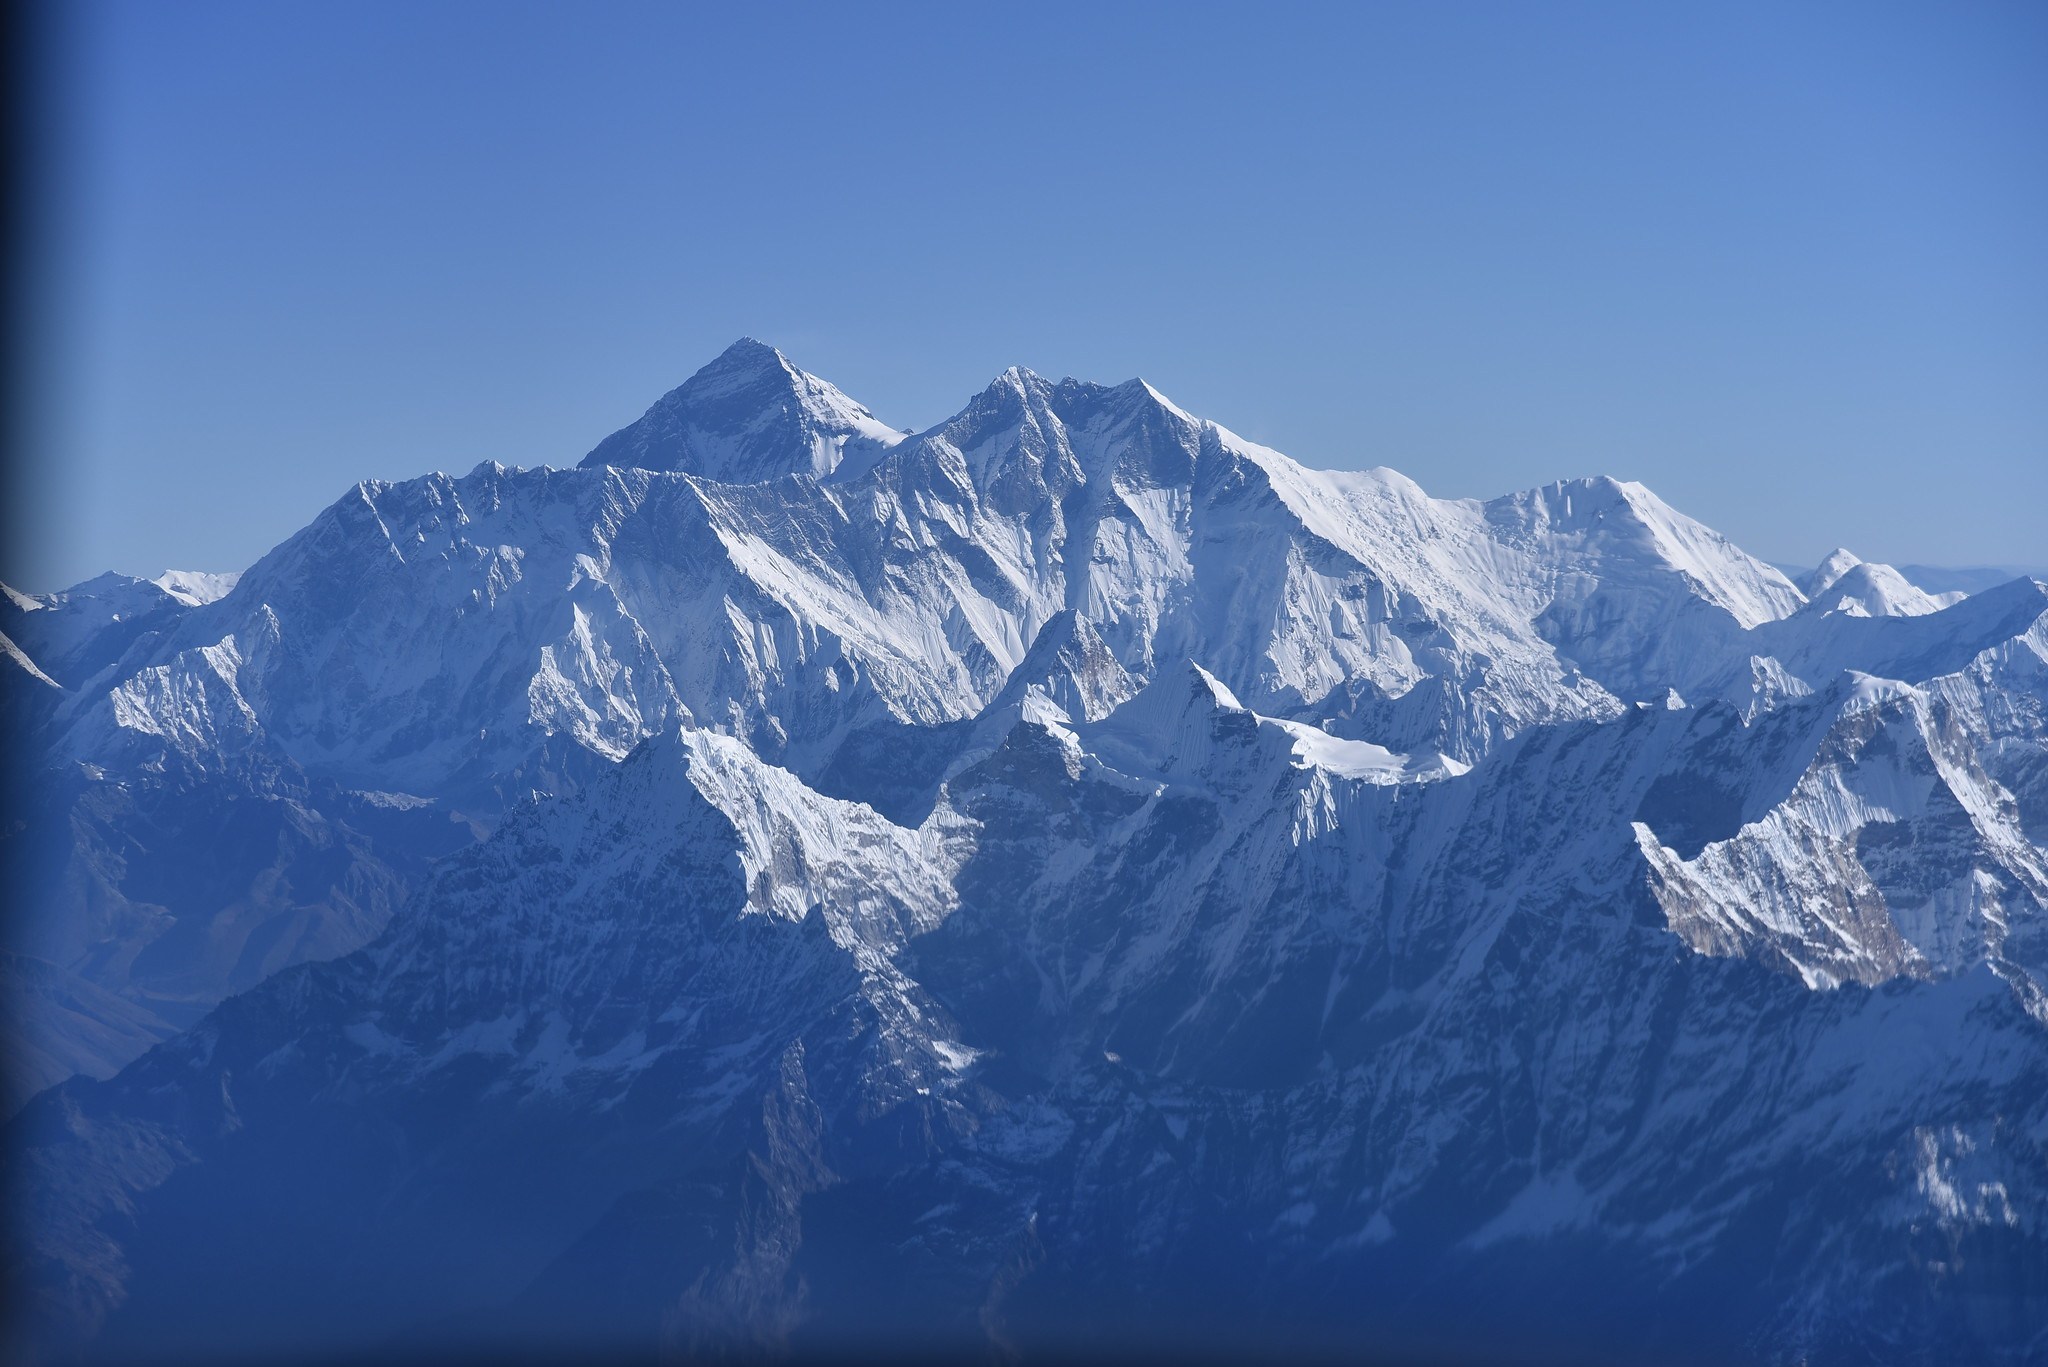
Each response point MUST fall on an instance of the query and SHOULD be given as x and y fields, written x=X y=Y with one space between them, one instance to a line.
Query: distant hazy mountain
x=1071 y=875
x=1937 y=580
x=1969 y=579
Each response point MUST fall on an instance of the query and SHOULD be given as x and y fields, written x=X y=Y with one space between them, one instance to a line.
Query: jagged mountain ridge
x=943 y=837
x=469 y=642
x=911 y=592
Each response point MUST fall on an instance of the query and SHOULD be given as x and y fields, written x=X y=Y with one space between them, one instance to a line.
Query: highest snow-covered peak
x=748 y=416
x=748 y=353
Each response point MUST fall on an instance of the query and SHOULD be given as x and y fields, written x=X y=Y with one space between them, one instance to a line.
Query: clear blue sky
x=1788 y=263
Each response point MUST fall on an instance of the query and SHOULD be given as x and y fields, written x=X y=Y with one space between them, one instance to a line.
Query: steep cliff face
x=1069 y=872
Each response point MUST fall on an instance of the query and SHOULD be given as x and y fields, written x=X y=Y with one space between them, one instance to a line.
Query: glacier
x=1068 y=876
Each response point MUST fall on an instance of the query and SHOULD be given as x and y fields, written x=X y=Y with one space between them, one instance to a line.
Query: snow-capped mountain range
x=1069 y=871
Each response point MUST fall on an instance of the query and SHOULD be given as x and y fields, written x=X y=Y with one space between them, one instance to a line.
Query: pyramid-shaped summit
x=746 y=417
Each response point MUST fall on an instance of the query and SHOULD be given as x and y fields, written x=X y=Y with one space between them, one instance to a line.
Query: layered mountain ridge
x=1071 y=867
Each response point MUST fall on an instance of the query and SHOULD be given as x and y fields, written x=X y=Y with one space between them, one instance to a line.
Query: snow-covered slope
x=75 y=634
x=1057 y=873
x=196 y=587
x=749 y=415
x=1843 y=583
